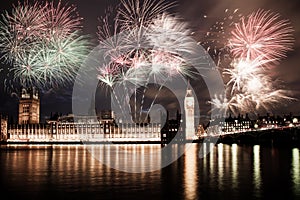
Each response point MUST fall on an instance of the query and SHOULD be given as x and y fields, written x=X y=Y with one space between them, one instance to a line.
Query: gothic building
x=189 y=107
x=171 y=128
x=29 y=106
x=174 y=129
x=3 y=128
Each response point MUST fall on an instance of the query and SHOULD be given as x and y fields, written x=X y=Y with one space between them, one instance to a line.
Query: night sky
x=192 y=11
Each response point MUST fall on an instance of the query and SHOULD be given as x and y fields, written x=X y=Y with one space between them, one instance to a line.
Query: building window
x=26 y=108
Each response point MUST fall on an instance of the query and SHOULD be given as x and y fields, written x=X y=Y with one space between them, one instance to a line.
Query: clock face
x=189 y=103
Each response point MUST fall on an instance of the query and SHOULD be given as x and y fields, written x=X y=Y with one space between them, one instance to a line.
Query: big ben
x=189 y=107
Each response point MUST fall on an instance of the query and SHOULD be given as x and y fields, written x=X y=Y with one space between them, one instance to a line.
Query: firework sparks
x=27 y=20
x=43 y=43
x=262 y=33
x=60 y=21
x=170 y=34
x=243 y=70
x=222 y=104
x=134 y=13
x=255 y=44
x=215 y=40
x=151 y=47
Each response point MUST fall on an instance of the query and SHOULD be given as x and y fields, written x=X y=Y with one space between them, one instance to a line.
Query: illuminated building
x=221 y=125
x=29 y=106
x=236 y=124
x=70 y=128
x=3 y=128
x=171 y=128
x=189 y=107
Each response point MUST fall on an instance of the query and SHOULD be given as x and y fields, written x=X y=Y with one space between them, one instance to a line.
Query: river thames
x=226 y=172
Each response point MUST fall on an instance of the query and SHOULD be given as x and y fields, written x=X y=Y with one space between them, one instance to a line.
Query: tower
x=3 y=128
x=189 y=106
x=29 y=106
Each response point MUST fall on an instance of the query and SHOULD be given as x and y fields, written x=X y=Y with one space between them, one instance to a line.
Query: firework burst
x=262 y=33
x=255 y=45
x=222 y=104
x=170 y=34
x=242 y=71
x=250 y=89
x=60 y=21
x=135 y=13
x=151 y=47
x=27 y=20
x=42 y=41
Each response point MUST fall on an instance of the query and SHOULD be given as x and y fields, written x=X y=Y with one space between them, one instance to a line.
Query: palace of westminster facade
x=104 y=128
x=70 y=128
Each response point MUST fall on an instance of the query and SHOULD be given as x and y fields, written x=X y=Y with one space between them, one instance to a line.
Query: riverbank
x=272 y=137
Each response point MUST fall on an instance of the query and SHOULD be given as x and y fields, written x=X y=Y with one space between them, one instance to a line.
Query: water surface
x=227 y=172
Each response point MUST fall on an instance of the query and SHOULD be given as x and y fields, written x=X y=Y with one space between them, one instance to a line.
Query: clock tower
x=189 y=107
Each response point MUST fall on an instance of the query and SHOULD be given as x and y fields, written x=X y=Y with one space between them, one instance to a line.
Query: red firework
x=261 y=34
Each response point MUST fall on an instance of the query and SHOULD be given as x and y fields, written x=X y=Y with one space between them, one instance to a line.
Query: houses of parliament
x=103 y=127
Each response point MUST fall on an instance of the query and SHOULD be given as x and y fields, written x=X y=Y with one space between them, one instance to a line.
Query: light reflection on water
x=296 y=170
x=212 y=161
x=128 y=158
x=190 y=173
x=234 y=164
x=234 y=171
x=256 y=170
x=220 y=165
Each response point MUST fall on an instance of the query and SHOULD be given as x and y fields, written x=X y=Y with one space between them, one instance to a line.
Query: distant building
x=200 y=131
x=189 y=107
x=3 y=128
x=70 y=128
x=171 y=128
x=236 y=124
x=29 y=106
x=230 y=124
x=106 y=114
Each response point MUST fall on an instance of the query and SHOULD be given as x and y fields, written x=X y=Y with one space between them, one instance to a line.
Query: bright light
x=295 y=120
x=234 y=158
x=254 y=85
x=256 y=167
x=296 y=170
